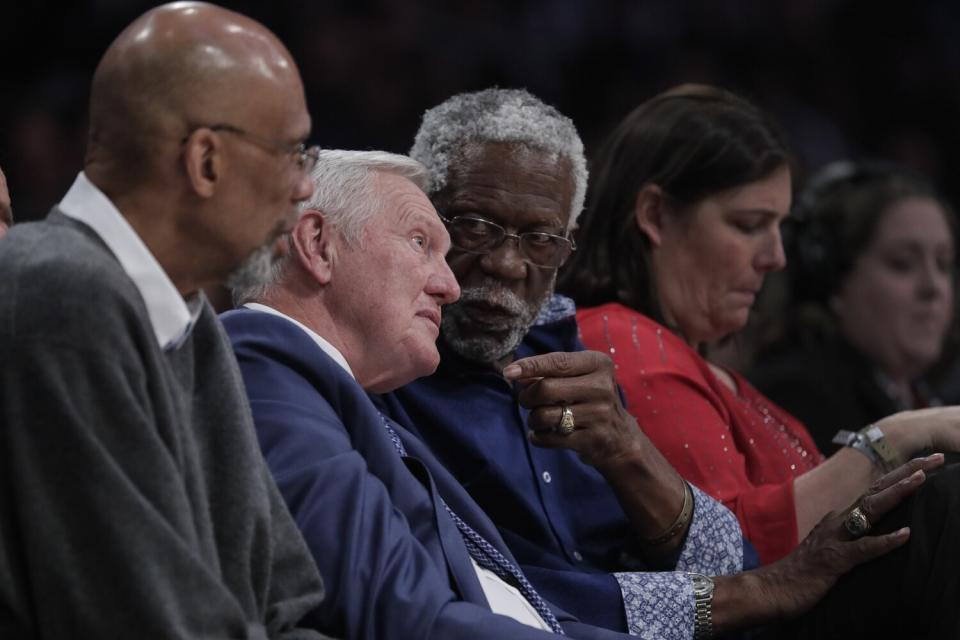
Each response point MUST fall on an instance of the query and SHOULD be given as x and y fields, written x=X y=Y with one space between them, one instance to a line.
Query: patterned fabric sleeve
x=714 y=544
x=660 y=605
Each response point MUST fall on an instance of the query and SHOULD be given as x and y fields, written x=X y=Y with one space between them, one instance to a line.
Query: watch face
x=702 y=585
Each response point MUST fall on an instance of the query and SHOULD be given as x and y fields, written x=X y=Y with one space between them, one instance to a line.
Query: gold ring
x=567 y=424
x=856 y=523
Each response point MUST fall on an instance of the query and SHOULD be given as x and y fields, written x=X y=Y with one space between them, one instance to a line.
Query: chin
x=424 y=361
x=738 y=321
x=923 y=358
x=428 y=368
x=727 y=326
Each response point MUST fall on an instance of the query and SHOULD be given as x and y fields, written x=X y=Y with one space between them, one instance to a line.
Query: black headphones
x=812 y=233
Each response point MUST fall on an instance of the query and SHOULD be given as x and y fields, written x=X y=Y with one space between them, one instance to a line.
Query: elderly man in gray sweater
x=134 y=502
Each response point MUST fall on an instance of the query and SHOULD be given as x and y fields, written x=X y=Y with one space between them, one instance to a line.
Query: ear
x=202 y=161
x=314 y=243
x=649 y=212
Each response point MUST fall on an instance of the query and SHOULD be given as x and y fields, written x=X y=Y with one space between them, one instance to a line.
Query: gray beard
x=250 y=280
x=481 y=347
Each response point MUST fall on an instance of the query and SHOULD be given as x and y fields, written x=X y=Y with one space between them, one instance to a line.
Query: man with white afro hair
x=467 y=120
x=511 y=410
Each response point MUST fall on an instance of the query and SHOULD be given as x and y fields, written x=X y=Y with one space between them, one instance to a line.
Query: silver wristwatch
x=703 y=601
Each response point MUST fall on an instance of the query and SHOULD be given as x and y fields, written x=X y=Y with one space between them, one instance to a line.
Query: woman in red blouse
x=682 y=225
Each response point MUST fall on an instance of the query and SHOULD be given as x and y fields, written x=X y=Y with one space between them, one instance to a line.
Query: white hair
x=451 y=129
x=346 y=194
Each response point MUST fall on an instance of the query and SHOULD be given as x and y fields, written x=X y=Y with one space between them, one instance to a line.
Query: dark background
x=847 y=78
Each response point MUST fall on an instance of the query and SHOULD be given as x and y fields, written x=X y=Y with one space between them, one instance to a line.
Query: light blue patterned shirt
x=659 y=605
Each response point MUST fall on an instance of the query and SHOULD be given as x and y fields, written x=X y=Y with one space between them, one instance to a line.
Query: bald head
x=197 y=117
x=179 y=66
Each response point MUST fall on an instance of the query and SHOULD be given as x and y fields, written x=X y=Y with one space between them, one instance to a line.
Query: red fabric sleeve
x=678 y=403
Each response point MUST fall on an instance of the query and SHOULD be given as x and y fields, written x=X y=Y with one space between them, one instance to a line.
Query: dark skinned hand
x=792 y=585
x=605 y=436
x=584 y=382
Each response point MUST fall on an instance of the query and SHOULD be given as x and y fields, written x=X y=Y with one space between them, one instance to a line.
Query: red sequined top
x=738 y=447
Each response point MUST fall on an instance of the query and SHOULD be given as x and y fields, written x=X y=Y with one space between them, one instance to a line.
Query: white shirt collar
x=170 y=315
x=328 y=348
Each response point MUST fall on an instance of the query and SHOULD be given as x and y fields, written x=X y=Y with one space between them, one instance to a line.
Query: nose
x=932 y=281
x=505 y=263
x=304 y=187
x=772 y=256
x=442 y=285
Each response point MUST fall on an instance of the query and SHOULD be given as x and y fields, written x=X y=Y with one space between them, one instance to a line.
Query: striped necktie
x=486 y=555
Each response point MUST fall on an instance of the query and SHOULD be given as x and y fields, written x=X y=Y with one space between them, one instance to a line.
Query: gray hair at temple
x=448 y=131
x=346 y=195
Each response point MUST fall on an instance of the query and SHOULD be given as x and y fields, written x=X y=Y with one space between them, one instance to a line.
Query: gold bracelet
x=686 y=512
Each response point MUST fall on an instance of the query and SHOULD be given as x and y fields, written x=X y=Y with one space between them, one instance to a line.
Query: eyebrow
x=914 y=244
x=423 y=217
x=770 y=213
x=556 y=226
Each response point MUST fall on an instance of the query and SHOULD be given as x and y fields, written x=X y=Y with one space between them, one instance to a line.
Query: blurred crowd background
x=846 y=78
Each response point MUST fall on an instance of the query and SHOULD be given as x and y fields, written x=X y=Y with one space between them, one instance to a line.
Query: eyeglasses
x=476 y=235
x=305 y=157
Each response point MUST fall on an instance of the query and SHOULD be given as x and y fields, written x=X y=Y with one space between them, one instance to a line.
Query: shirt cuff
x=714 y=544
x=659 y=606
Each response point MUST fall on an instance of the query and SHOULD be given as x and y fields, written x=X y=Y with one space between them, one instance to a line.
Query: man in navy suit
x=353 y=305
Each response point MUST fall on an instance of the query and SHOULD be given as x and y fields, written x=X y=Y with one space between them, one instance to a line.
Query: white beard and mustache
x=250 y=280
x=478 y=345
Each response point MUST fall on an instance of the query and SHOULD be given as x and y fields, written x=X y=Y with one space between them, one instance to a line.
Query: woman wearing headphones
x=870 y=292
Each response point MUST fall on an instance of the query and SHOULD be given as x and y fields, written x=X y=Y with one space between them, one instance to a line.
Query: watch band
x=889 y=457
x=871 y=442
x=703 y=606
x=857 y=441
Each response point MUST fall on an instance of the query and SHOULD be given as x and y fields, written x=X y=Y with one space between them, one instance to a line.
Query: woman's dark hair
x=835 y=216
x=833 y=221
x=692 y=141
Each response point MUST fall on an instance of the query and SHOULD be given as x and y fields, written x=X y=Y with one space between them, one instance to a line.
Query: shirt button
x=577 y=556
x=547 y=477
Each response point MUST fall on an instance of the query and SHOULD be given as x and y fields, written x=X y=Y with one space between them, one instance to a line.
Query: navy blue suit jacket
x=393 y=562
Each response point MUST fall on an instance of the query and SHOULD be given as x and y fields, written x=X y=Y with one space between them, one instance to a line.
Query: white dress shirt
x=171 y=316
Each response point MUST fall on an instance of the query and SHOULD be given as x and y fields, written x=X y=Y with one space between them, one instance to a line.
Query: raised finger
x=877 y=504
x=560 y=364
x=582 y=388
x=905 y=470
x=869 y=547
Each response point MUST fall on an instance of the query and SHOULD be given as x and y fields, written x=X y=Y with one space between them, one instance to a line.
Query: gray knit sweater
x=134 y=502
